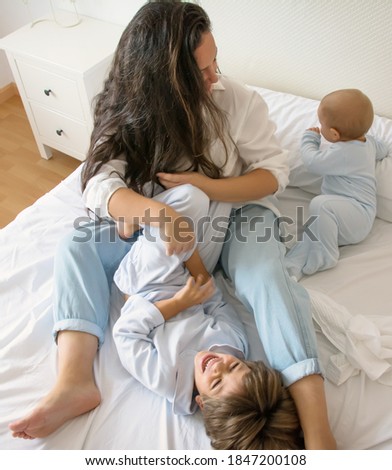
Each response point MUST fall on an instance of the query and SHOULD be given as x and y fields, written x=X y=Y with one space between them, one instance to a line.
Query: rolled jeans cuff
x=300 y=370
x=80 y=325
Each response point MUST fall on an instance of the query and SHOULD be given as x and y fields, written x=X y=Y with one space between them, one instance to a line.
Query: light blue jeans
x=252 y=257
x=87 y=259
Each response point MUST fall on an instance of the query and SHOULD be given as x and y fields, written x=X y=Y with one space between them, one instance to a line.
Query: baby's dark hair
x=264 y=417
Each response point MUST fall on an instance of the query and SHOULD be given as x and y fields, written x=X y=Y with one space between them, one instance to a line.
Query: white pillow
x=293 y=114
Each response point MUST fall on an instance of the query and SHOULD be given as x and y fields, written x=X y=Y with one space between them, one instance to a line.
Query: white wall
x=114 y=11
x=305 y=47
x=14 y=13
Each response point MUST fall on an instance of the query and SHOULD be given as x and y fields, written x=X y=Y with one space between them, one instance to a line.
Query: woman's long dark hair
x=154 y=108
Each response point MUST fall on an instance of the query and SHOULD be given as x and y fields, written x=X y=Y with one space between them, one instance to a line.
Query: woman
x=165 y=118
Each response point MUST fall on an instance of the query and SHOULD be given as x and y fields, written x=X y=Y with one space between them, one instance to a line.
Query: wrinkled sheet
x=130 y=416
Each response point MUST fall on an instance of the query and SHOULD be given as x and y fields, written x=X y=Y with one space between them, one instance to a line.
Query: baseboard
x=8 y=92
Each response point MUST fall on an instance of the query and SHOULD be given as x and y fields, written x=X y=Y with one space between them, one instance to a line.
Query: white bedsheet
x=131 y=417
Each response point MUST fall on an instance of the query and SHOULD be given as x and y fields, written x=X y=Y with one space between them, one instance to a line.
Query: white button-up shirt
x=250 y=129
x=160 y=353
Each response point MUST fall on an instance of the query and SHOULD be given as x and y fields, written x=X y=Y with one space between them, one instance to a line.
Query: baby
x=346 y=209
x=178 y=337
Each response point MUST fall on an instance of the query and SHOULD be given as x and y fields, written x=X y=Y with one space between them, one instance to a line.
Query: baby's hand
x=314 y=129
x=194 y=292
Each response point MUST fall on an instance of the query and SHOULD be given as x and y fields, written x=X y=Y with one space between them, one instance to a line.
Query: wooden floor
x=24 y=175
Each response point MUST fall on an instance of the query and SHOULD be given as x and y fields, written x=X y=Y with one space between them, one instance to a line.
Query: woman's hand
x=170 y=180
x=126 y=230
x=256 y=184
x=178 y=236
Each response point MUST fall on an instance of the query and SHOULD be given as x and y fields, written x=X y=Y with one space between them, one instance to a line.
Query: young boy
x=346 y=209
x=178 y=337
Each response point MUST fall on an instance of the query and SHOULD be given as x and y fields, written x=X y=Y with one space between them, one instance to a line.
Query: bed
x=351 y=304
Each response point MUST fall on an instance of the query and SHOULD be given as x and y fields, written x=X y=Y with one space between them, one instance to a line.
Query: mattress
x=132 y=417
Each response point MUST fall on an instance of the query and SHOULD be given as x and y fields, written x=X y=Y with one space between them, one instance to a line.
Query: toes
x=19 y=429
x=18 y=426
x=22 y=435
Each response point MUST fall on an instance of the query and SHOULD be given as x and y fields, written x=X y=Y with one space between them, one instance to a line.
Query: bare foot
x=60 y=405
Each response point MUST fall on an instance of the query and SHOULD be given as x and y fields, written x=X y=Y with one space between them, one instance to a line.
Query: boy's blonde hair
x=264 y=417
x=349 y=111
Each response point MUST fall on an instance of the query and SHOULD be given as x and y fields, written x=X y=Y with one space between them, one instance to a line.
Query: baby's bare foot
x=60 y=405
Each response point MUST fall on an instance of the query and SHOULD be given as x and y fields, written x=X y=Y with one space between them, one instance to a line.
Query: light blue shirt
x=160 y=353
x=348 y=168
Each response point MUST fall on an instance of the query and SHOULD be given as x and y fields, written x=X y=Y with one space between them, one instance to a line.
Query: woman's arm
x=107 y=195
x=253 y=185
x=309 y=397
x=131 y=209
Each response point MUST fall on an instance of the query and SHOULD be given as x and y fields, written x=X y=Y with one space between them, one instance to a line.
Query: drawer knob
x=47 y=92
x=59 y=131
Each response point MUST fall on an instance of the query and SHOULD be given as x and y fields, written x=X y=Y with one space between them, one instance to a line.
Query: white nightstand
x=58 y=72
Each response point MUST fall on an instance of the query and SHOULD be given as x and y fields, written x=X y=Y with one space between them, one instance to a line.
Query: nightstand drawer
x=61 y=131
x=51 y=90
